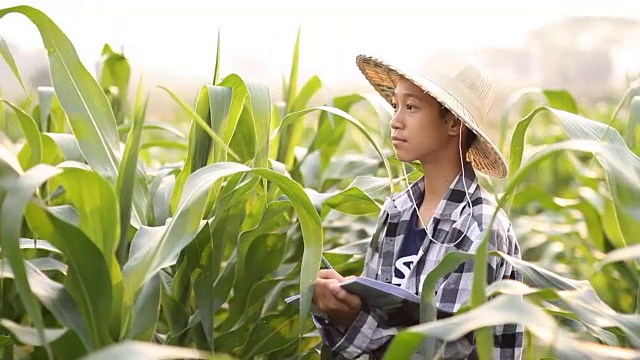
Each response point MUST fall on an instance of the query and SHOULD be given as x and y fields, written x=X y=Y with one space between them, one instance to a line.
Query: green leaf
x=128 y=176
x=224 y=115
x=220 y=99
x=175 y=315
x=331 y=130
x=351 y=201
x=200 y=140
x=542 y=278
x=41 y=264
x=198 y=119
x=187 y=222
x=606 y=151
x=65 y=143
x=252 y=245
x=272 y=332
x=631 y=93
x=68 y=346
x=292 y=134
x=335 y=111
x=203 y=286
x=87 y=107
x=153 y=125
x=56 y=299
x=506 y=309
x=561 y=100
x=623 y=254
x=582 y=304
x=259 y=101
x=588 y=307
x=558 y=99
x=52 y=117
x=18 y=189
x=114 y=73
x=5 y=341
x=160 y=192
x=350 y=166
x=312 y=86
x=239 y=93
x=632 y=124
x=292 y=87
x=88 y=278
x=354 y=248
x=38 y=244
x=622 y=167
x=136 y=350
x=216 y=71
x=48 y=264
x=85 y=188
x=29 y=336
x=244 y=140
x=146 y=311
x=8 y=57
x=31 y=133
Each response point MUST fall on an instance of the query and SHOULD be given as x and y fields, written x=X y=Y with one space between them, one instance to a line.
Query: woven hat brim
x=483 y=154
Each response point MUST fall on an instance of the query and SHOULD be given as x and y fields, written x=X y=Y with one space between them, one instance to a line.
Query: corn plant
x=110 y=249
x=172 y=255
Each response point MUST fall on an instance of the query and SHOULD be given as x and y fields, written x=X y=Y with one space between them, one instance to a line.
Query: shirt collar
x=452 y=203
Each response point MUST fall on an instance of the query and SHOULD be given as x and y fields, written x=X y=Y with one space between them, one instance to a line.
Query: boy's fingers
x=330 y=274
x=351 y=300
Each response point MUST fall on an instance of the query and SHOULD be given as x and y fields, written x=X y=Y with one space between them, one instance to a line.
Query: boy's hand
x=341 y=306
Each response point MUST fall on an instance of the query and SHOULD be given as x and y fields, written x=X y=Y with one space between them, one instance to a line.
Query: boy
x=436 y=122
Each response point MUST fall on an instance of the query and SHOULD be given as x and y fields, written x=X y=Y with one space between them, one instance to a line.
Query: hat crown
x=466 y=74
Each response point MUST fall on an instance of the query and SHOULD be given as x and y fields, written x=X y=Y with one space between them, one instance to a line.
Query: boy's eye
x=394 y=106
x=410 y=107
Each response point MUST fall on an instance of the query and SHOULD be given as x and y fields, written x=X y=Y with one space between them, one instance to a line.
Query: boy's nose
x=396 y=121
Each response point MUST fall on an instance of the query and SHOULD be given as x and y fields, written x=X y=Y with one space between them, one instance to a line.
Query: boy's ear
x=454 y=125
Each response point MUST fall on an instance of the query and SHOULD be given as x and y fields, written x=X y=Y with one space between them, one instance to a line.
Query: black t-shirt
x=408 y=253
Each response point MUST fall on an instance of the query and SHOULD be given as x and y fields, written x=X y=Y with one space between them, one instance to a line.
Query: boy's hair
x=470 y=136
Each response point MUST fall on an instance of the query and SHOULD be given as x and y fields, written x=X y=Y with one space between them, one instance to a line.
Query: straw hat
x=457 y=83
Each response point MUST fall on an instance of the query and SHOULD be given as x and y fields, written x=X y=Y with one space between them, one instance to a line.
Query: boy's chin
x=405 y=158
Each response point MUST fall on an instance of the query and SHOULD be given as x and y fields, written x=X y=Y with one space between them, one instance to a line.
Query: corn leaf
x=29 y=336
x=128 y=176
x=31 y=133
x=84 y=102
x=18 y=189
x=88 y=279
x=56 y=299
x=87 y=108
x=187 y=222
x=506 y=309
x=114 y=73
x=8 y=58
x=297 y=115
x=632 y=124
x=52 y=116
x=137 y=350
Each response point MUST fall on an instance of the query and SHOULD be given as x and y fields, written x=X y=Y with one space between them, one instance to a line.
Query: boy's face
x=418 y=131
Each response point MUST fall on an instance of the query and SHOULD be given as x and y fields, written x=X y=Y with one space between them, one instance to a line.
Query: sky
x=179 y=37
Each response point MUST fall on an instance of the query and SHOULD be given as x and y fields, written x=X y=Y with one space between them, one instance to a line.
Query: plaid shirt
x=368 y=334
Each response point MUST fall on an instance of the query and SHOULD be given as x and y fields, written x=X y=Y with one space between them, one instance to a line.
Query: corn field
x=125 y=237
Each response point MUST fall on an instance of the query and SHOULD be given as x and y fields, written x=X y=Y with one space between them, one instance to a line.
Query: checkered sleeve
x=367 y=335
